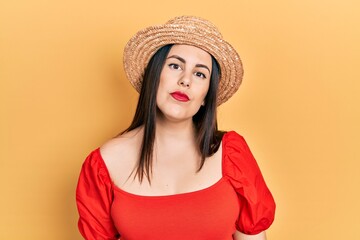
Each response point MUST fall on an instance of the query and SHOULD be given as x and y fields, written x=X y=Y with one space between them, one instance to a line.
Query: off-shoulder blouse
x=240 y=200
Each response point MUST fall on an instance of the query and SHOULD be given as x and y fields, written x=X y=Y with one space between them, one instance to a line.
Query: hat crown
x=195 y=22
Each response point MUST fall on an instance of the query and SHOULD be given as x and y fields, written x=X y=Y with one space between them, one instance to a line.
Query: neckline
x=175 y=195
x=214 y=185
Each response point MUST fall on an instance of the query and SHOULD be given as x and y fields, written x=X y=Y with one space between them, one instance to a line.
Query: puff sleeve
x=94 y=198
x=257 y=206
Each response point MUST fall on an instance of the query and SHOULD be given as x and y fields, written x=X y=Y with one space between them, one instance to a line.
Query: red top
x=239 y=200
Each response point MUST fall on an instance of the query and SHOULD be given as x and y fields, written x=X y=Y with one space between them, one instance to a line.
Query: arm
x=257 y=206
x=241 y=236
x=94 y=197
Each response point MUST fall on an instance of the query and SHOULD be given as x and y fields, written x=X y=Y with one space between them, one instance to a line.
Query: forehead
x=191 y=54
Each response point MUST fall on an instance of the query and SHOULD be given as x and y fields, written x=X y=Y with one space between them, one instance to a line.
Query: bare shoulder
x=120 y=154
x=121 y=143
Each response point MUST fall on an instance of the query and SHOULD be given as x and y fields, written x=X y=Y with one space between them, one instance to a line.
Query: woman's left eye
x=200 y=74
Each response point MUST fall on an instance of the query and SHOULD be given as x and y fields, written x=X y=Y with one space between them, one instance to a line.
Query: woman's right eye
x=174 y=66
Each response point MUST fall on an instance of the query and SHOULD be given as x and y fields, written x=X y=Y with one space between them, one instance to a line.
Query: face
x=184 y=82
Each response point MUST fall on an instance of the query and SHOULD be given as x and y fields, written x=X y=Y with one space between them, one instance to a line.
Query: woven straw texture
x=186 y=30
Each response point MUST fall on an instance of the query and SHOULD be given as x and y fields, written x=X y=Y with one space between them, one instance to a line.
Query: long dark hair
x=205 y=120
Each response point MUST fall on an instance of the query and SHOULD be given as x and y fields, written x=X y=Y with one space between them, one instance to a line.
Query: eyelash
x=176 y=67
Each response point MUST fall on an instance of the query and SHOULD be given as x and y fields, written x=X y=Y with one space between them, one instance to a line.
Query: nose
x=184 y=81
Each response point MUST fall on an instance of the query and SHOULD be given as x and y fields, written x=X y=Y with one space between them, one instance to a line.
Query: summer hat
x=188 y=30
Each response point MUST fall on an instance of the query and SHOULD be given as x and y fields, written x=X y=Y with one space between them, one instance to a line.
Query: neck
x=175 y=130
x=174 y=139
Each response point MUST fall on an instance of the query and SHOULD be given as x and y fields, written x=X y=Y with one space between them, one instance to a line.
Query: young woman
x=172 y=174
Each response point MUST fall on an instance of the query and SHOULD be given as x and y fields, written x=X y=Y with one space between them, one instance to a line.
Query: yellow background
x=64 y=92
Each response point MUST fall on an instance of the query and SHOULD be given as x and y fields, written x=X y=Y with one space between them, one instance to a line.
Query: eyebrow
x=183 y=61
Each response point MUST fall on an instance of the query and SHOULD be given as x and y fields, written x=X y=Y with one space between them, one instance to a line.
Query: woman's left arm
x=241 y=236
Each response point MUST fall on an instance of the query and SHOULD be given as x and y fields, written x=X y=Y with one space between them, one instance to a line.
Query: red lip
x=182 y=97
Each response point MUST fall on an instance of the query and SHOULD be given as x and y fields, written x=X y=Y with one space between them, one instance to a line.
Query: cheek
x=162 y=93
x=161 y=88
x=203 y=90
x=164 y=81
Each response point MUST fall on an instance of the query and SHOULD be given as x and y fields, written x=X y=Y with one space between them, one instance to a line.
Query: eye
x=200 y=74
x=174 y=66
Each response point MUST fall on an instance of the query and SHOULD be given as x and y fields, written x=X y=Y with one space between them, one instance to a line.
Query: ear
x=203 y=103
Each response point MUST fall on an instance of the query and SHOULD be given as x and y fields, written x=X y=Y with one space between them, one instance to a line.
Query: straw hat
x=186 y=30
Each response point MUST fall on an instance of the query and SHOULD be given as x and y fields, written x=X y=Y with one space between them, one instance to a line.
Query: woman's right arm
x=94 y=197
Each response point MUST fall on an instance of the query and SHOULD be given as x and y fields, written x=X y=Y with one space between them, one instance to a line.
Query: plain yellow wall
x=64 y=92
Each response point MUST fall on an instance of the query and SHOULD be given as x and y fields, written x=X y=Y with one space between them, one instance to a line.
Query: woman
x=172 y=174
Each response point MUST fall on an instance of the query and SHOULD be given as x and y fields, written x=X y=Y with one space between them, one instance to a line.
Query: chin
x=176 y=117
x=177 y=112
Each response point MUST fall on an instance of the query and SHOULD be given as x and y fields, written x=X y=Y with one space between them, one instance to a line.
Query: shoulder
x=233 y=138
x=125 y=143
x=237 y=154
x=120 y=154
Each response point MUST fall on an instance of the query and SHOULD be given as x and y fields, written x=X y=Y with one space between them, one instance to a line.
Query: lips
x=182 y=97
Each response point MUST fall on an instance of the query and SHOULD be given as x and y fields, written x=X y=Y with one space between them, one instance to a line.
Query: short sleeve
x=94 y=198
x=257 y=206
